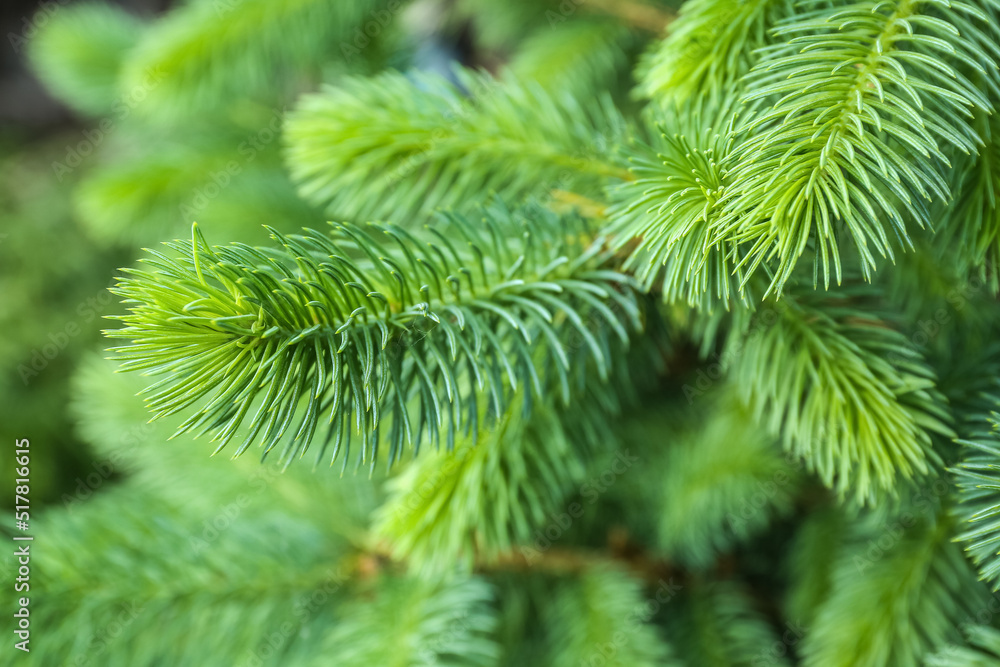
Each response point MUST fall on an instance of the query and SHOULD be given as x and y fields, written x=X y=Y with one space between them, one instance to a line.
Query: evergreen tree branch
x=819 y=376
x=471 y=505
x=358 y=326
x=979 y=492
x=983 y=650
x=723 y=481
x=717 y=625
x=603 y=616
x=707 y=49
x=892 y=605
x=448 y=623
x=398 y=147
x=667 y=214
x=870 y=99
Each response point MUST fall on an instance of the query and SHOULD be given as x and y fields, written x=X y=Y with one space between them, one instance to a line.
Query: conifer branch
x=895 y=605
x=668 y=214
x=710 y=45
x=820 y=378
x=979 y=492
x=869 y=100
x=396 y=147
x=371 y=323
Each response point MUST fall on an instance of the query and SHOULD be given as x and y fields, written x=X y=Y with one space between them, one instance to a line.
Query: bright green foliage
x=368 y=322
x=405 y=145
x=845 y=392
x=616 y=630
x=974 y=220
x=978 y=479
x=446 y=624
x=658 y=437
x=722 y=481
x=709 y=47
x=81 y=51
x=868 y=100
x=221 y=176
x=484 y=498
x=985 y=650
x=899 y=591
x=114 y=421
x=673 y=205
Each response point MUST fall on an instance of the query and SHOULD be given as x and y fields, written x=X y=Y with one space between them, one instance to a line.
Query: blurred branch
x=636 y=14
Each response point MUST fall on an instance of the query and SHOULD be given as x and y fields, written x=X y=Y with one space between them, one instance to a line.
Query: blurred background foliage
x=121 y=125
x=124 y=122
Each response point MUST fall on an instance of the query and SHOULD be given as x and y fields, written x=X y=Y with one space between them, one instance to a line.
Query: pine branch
x=112 y=419
x=471 y=505
x=398 y=147
x=360 y=326
x=672 y=208
x=979 y=492
x=449 y=624
x=870 y=100
x=603 y=616
x=984 y=650
x=819 y=376
x=206 y=52
x=721 y=481
x=710 y=45
x=811 y=561
x=972 y=225
x=119 y=574
x=897 y=593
